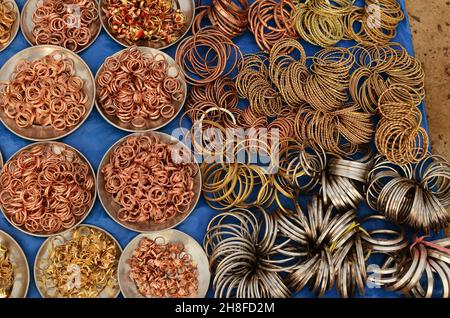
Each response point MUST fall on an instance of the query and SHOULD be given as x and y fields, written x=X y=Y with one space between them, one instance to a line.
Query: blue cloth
x=95 y=137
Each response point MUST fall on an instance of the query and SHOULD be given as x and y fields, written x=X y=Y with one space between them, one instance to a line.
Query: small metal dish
x=151 y=124
x=128 y=287
x=112 y=208
x=45 y=249
x=19 y=261
x=94 y=190
x=39 y=133
x=15 y=26
x=27 y=25
x=186 y=6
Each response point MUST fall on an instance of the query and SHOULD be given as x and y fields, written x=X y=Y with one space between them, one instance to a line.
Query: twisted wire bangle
x=71 y=24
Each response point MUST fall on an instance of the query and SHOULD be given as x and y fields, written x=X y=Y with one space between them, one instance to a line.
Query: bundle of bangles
x=322 y=113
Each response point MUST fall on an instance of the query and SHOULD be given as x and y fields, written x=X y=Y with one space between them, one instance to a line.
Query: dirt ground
x=430 y=24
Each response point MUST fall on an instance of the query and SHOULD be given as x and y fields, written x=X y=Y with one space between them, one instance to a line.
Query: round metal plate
x=19 y=261
x=15 y=26
x=45 y=249
x=112 y=208
x=151 y=124
x=128 y=287
x=186 y=6
x=80 y=219
x=27 y=25
x=39 y=133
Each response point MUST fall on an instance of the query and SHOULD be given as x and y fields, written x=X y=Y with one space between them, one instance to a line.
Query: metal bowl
x=186 y=6
x=19 y=261
x=45 y=249
x=80 y=219
x=15 y=27
x=128 y=287
x=27 y=25
x=151 y=124
x=112 y=208
x=39 y=133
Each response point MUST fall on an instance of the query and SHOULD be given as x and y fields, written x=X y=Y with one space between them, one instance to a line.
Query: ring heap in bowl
x=158 y=24
x=72 y=24
x=149 y=182
x=80 y=263
x=140 y=89
x=47 y=188
x=9 y=22
x=186 y=273
x=40 y=104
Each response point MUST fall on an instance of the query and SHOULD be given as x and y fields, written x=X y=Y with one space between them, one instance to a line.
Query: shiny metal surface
x=15 y=27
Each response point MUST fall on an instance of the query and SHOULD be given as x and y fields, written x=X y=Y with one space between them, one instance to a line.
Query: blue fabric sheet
x=95 y=137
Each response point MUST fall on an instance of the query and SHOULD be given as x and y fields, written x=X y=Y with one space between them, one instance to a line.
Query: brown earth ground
x=430 y=24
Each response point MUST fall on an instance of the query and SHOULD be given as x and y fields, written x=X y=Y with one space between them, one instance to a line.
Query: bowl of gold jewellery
x=153 y=23
x=72 y=24
x=80 y=263
x=47 y=188
x=149 y=182
x=139 y=89
x=167 y=264
x=14 y=272
x=46 y=93
x=9 y=22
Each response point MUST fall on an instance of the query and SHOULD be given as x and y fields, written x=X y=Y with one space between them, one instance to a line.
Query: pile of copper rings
x=81 y=263
x=146 y=182
x=160 y=22
x=163 y=270
x=416 y=195
x=230 y=17
x=206 y=56
x=140 y=89
x=72 y=24
x=46 y=92
x=47 y=188
x=8 y=17
x=399 y=135
x=251 y=250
